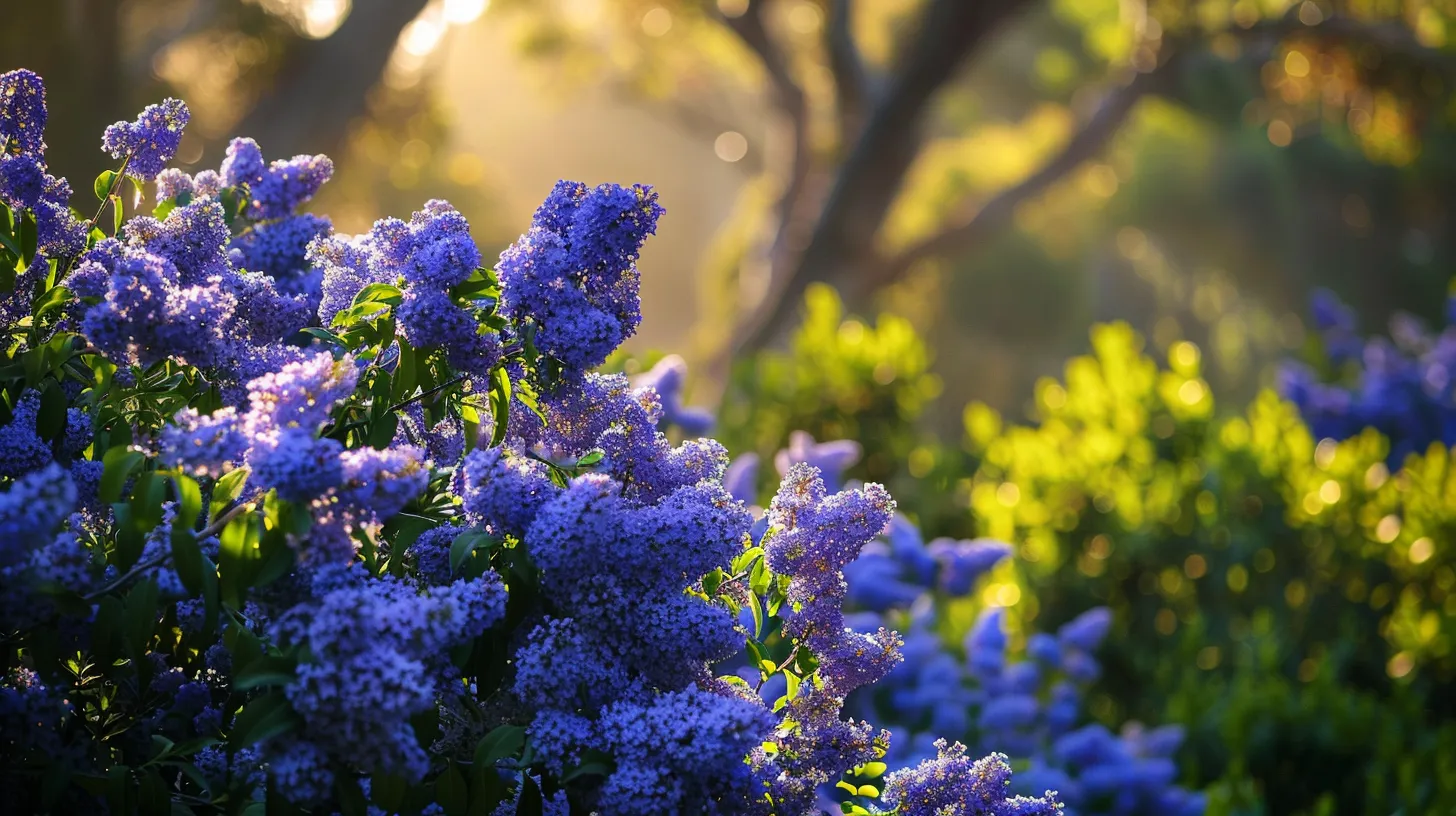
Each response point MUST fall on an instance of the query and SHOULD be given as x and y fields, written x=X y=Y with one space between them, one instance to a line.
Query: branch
x=1087 y=142
x=851 y=83
x=789 y=98
x=324 y=84
x=202 y=535
x=870 y=177
x=1108 y=119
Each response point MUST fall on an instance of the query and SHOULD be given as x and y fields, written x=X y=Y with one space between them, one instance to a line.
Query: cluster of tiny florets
x=342 y=520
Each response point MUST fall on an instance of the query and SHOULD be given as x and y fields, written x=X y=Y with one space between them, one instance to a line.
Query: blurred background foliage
x=896 y=221
x=1289 y=600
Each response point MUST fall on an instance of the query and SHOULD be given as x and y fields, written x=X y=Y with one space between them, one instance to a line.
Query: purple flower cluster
x=22 y=113
x=573 y=275
x=277 y=189
x=1403 y=386
x=667 y=379
x=1029 y=710
x=426 y=257
x=169 y=291
x=379 y=656
x=277 y=439
x=24 y=182
x=151 y=141
x=954 y=785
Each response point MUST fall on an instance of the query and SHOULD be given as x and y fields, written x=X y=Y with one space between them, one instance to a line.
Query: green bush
x=1289 y=600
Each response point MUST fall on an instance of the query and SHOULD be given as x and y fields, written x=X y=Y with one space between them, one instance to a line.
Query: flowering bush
x=1031 y=709
x=301 y=522
x=1400 y=386
x=1282 y=596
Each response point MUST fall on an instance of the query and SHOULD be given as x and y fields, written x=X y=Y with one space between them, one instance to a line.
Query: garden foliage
x=301 y=522
x=1283 y=594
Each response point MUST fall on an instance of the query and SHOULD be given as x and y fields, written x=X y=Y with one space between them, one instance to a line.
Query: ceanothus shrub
x=298 y=522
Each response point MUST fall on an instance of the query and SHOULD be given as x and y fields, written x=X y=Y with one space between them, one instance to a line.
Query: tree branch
x=851 y=83
x=789 y=98
x=1087 y=142
x=1108 y=119
x=870 y=177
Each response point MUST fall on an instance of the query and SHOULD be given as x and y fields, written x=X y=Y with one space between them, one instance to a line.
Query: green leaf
x=758 y=579
x=502 y=741
x=351 y=796
x=141 y=615
x=153 y=796
x=262 y=718
x=265 y=672
x=50 y=421
x=757 y=608
x=590 y=459
x=189 y=503
x=326 y=336
x=745 y=558
x=54 y=298
x=225 y=491
x=379 y=293
x=452 y=791
x=531 y=802
x=500 y=405
x=382 y=431
x=712 y=581
x=388 y=791
x=872 y=770
x=117 y=465
x=102 y=185
x=793 y=685
x=188 y=560
x=465 y=544
x=406 y=374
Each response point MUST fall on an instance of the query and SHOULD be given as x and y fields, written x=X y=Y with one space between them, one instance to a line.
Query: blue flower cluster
x=426 y=258
x=379 y=656
x=151 y=141
x=24 y=182
x=1029 y=710
x=351 y=523
x=1404 y=386
x=573 y=276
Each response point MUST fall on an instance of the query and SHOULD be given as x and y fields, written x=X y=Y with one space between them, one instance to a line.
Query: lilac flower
x=503 y=493
x=831 y=459
x=34 y=506
x=172 y=183
x=21 y=448
x=243 y=163
x=377 y=652
x=962 y=562
x=279 y=249
x=1087 y=630
x=22 y=112
x=149 y=142
x=953 y=785
x=284 y=185
x=741 y=477
x=381 y=483
x=574 y=273
x=666 y=378
x=22 y=181
x=300 y=395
